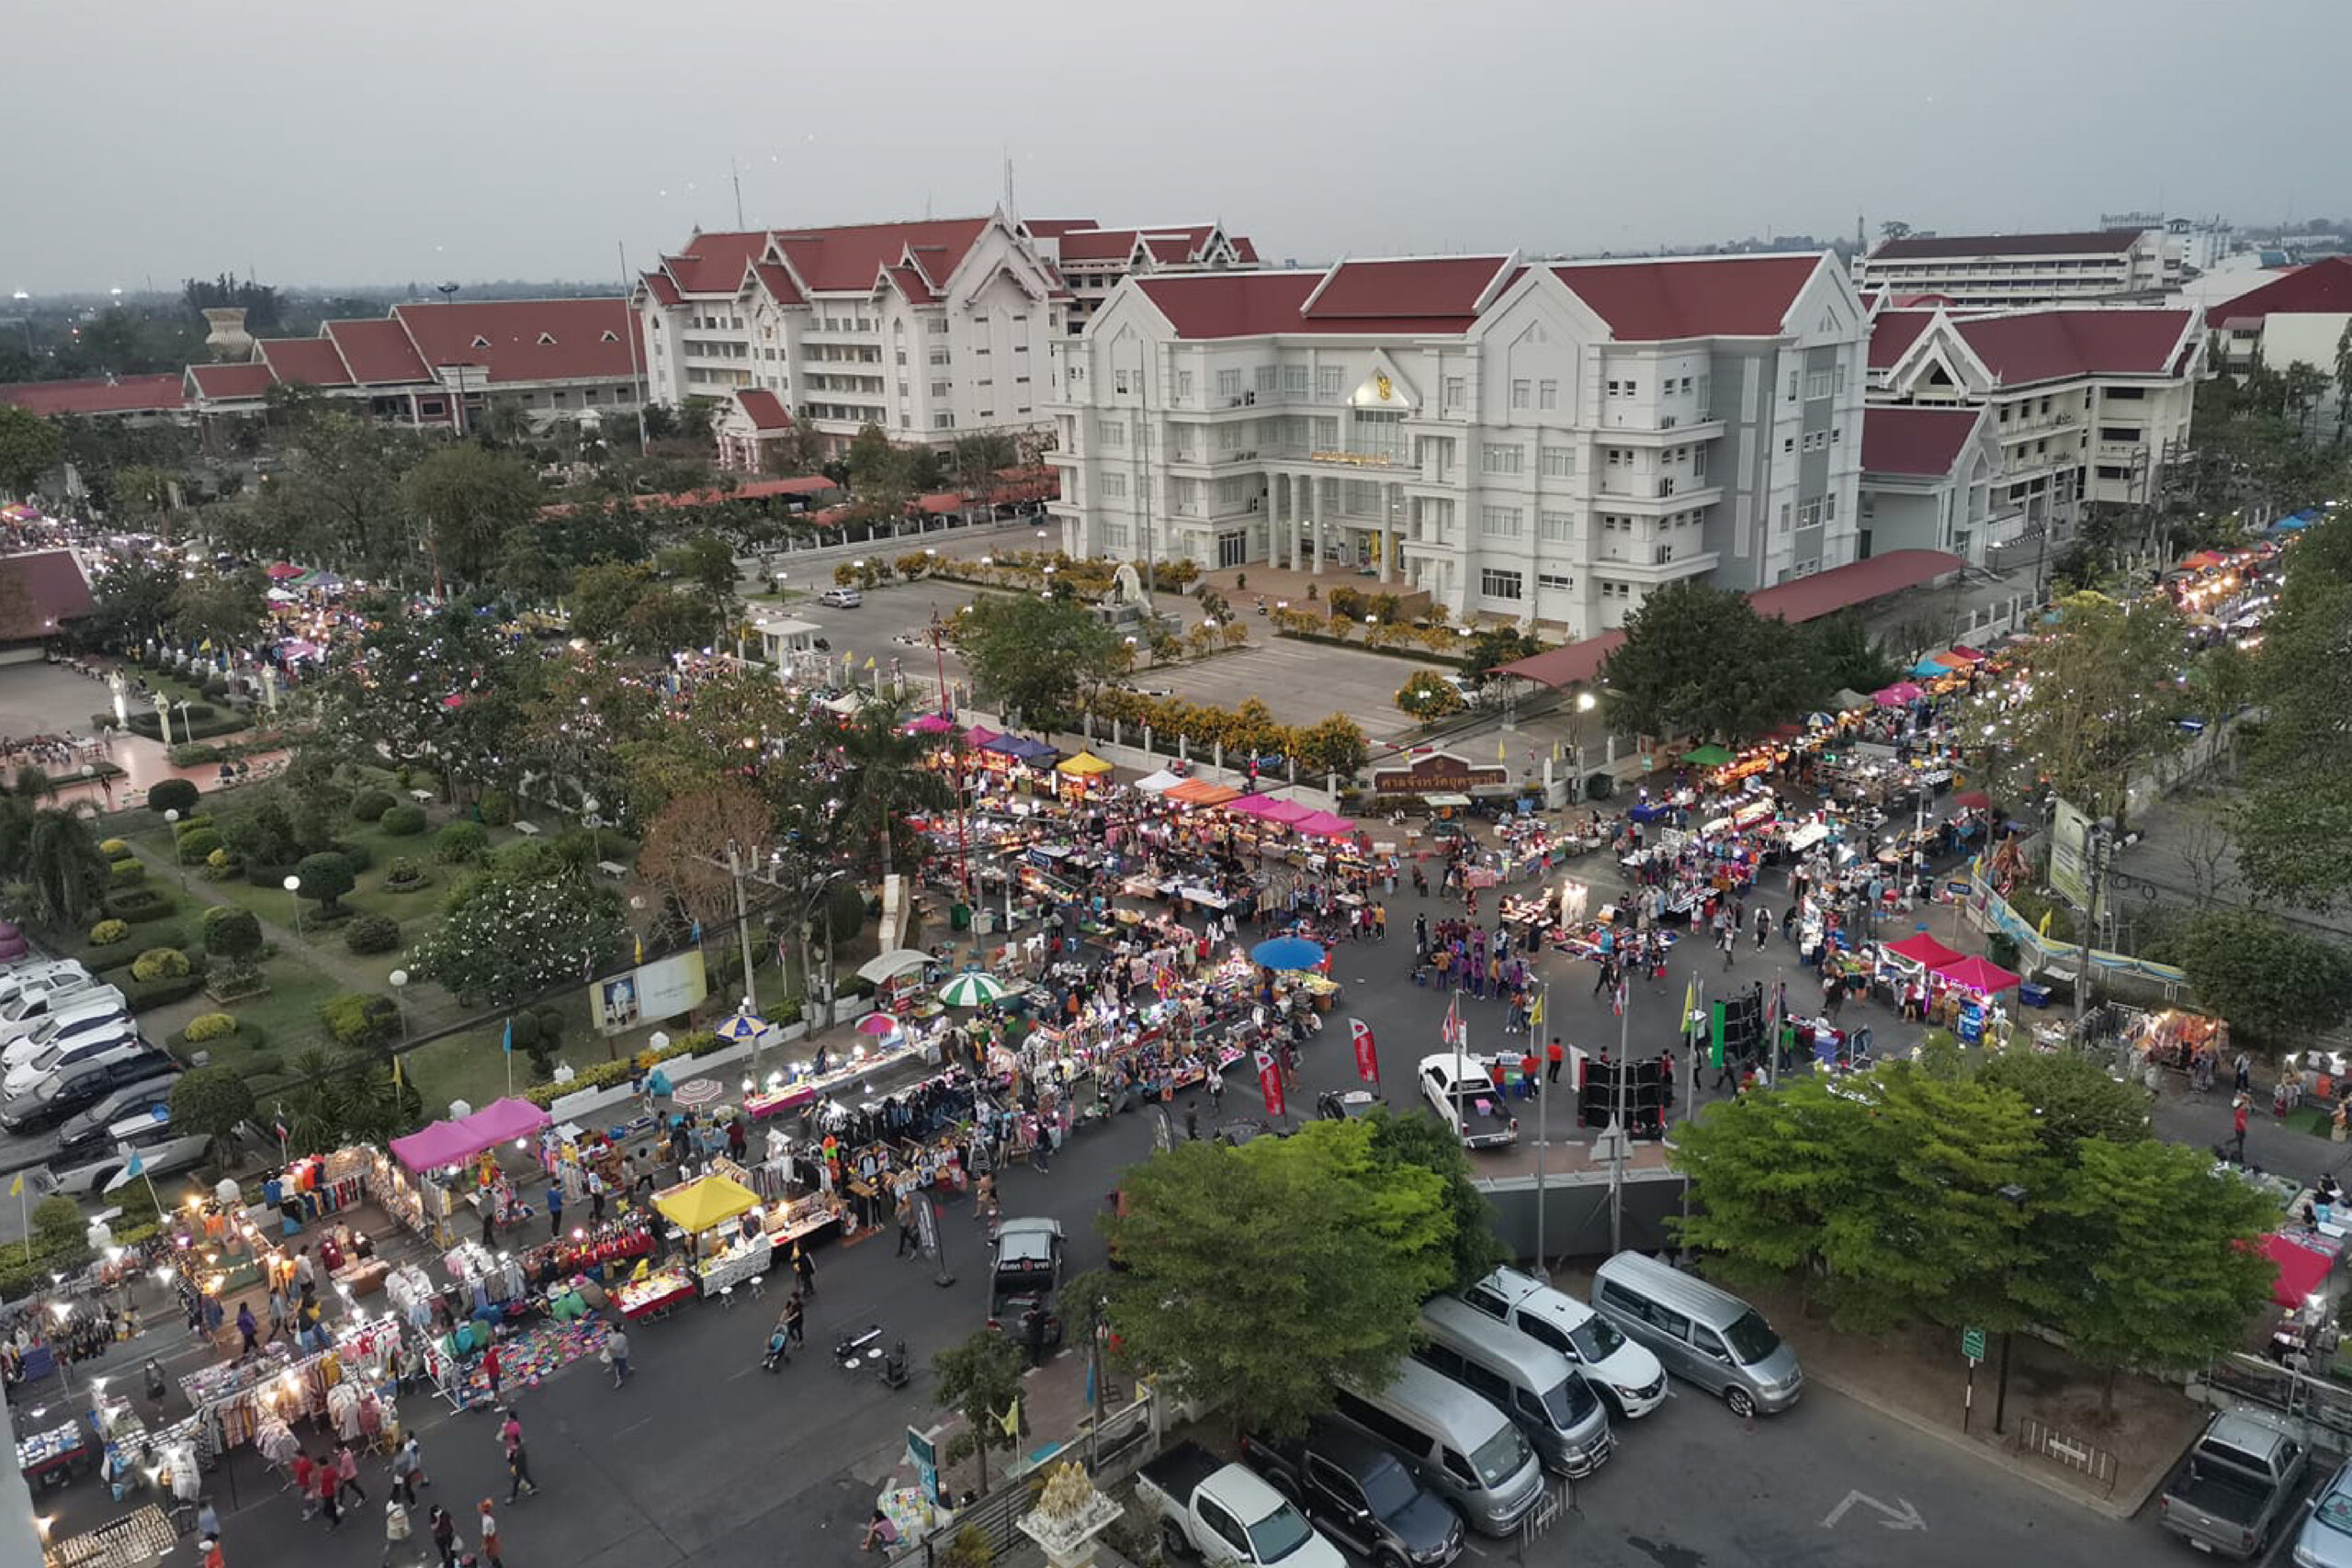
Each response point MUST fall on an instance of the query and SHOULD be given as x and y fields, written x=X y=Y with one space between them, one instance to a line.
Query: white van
x=1455 y=1443
x=1622 y=1371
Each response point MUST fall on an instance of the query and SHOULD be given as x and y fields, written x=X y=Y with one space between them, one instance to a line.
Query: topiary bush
x=206 y=1027
x=106 y=933
x=159 y=964
x=361 y=1019
x=460 y=843
x=402 y=821
x=372 y=934
x=189 y=822
x=172 y=794
x=497 y=809
x=127 y=873
x=196 y=848
x=113 y=849
x=404 y=875
x=370 y=804
x=137 y=903
x=326 y=877
x=219 y=865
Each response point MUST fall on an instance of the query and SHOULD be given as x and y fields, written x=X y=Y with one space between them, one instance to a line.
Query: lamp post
x=399 y=980
x=293 y=886
x=104 y=781
x=2014 y=1196
x=171 y=818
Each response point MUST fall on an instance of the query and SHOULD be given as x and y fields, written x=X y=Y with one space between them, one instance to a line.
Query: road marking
x=1907 y=1517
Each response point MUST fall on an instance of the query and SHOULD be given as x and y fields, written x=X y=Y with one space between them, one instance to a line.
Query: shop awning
x=1159 y=783
x=1847 y=699
x=1707 y=757
x=448 y=1142
x=1086 y=764
x=707 y=1203
x=1965 y=654
x=1447 y=802
x=1200 y=792
x=1929 y=669
x=1895 y=696
x=932 y=723
x=1020 y=748
x=1921 y=948
x=2302 y=1270
x=1977 y=974
x=1323 y=825
x=897 y=961
x=980 y=736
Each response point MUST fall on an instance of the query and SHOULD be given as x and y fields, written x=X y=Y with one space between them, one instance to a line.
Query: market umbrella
x=1977 y=974
x=1707 y=757
x=1921 y=948
x=742 y=1026
x=1287 y=952
x=931 y=724
x=877 y=1023
x=1895 y=696
x=283 y=571
x=1929 y=669
x=712 y=1201
x=1972 y=800
x=697 y=1092
x=972 y=989
x=1323 y=825
x=1290 y=813
x=1084 y=765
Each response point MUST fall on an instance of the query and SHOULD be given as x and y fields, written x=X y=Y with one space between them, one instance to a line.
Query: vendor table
x=654 y=1297
x=53 y=1457
x=737 y=1264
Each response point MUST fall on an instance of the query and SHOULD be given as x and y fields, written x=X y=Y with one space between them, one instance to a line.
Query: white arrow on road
x=1905 y=1518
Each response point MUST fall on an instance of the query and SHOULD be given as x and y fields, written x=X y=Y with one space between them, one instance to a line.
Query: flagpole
x=1617 y=1168
x=1543 y=1126
x=25 y=1213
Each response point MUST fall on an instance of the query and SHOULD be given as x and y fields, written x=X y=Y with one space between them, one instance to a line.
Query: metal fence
x=2325 y=1406
x=2096 y=1463
x=1557 y=1501
x=1124 y=1441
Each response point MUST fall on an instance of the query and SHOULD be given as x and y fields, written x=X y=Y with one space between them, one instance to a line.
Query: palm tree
x=64 y=868
x=884 y=777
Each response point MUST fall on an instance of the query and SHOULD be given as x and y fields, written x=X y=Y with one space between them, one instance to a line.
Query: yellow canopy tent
x=707 y=1203
x=1083 y=765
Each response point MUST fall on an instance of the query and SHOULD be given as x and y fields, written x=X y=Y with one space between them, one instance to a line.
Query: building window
x=1617 y=456
x=1557 y=528
x=1547 y=395
x=1327 y=381
x=1817 y=385
x=1228 y=384
x=1266 y=381
x=1788 y=445
x=1494 y=582
x=1792 y=386
x=1558 y=462
x=1784 y=518
x=1838 y=380
x=1112 y=432
x=939 y=356
x=943 y=421
x=1829 y=509
x=1499 y=457
x=939 y=389
x=1498 y=521
x=1119 y=382
x=1523 y=394
x=1185 y=386
x=1114 y=485
x=1809 y=514
x=1553 y=582
x=1455 y=391
x=1294 y=380
x=1698 y=462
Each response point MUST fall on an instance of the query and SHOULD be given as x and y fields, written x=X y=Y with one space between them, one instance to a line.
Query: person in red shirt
x=305 y=1482
x=490 y=1369
x=327 y=1483
x=1554 y=1053
x=1527 y=1074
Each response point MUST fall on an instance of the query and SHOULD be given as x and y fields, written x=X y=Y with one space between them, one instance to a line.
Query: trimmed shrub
x=404 y=875
x=326 y=877
x=206 y=1027
x=145 y=994
x=372 y=934
x=370 y=804
x=402 y=821
x=159 y=964
x=190 y=823
x=230 y=933
x=460 y=843
x=106 y=933
x=113 y=849
x=196 y=848
x=172 y=794
x=497 y=809
x=361 y=1019
x=138 y=904
x=127 y=873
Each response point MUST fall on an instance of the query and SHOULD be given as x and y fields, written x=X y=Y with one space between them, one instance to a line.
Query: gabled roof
x=1697 y=297
x=1921 y=443
x=847 y=260
x=1419 y=288
x=378 y=352
x=763 y=409
x=2324 y=287
x=660 y=285
x=39 y=591
x=1098 y=245
x=714 y=264
x=1892 y=331
x=1054 y=228
x=1230 y=304
x=1243 y=251
x=1182 y=244
x=231 y=383
x=527 y=340
x=2100 y=241
x=2047 y=346
x=776 y=278
x=119 y=394
x=911 y=283
x=312 y=360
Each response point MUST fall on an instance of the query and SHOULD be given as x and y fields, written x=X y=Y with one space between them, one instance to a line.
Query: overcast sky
x=345 y=143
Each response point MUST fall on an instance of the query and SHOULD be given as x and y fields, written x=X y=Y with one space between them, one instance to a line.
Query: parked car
x=1358 y=1493
x=1703 y=1334
x=38 y=1000
x=1222 y=1513
x=36 y=972
x=842 y=598
x=87 y=1129
x=69 y=1018
x=2236 y=1487
x=54 y=1098
x=1458 y=1090
x=161 y=1149
x=2327 y=1538
x=85 y=1039
x=1624 y=1373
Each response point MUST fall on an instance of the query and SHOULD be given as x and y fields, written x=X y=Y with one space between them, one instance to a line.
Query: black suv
x=1356 y=1493
x=53 y=1099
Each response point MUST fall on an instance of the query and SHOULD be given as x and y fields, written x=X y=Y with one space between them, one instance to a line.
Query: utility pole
x=1542 y=1125
x=1617 y=1164
x=744 y=929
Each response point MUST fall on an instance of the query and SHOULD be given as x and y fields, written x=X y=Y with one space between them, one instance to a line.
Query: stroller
x=779 y=1353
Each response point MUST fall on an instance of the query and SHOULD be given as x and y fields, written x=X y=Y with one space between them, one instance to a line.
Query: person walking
x=398 y=1531
x=408 y=1469
x=617 y=1346
x=518 y=1459
x=492 y=1370
x=1763 y=925
x=306 y=1482
x=1554 y=1054
x=346 y=1470
x=490 y=1536
x=248 y=1331
x=804 y=1270
x=444 y=1530
x=793 y=1312
x=2237 y=1124
x=327 y=1481
x=555 y=1211
x=910 y=1241
x=1730 y=942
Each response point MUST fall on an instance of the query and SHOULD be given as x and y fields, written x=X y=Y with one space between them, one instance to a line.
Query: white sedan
x=1466 y=1101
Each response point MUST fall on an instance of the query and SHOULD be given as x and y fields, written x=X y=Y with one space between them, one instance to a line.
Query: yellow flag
x=1690 y=999
x=2045 y=922
x=869 y=661
x=1502 y=750
x=1010 y=1420
x=1535 y=1013
x=640 y=950
x=396 y=1073
x=16 y=1188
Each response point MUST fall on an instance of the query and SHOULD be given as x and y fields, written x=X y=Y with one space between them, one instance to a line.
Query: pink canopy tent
x=1921 y=948
x=978 y=736
x=1977 y=974
x=1259 y=806
x=1323 y=825
x=932 y=723
x=283 y=571
x=448 y=1142
x=1895 y=696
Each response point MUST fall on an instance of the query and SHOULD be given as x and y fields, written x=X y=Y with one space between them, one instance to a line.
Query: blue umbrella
x=1288 y=952
x=742 y=1026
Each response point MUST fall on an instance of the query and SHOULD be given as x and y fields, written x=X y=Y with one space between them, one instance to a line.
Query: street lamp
x=399 y=978
x=2014 y=1196
x=293 y=886
x=172 y=820
x=104 y=781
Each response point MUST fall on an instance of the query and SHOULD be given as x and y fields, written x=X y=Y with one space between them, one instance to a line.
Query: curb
x=2112 y=1508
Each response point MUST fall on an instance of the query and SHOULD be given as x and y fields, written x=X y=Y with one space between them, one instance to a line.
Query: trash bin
x=2034 y=996
x=959 y=918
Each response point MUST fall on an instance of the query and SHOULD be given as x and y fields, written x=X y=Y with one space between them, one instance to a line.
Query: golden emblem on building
x=1381 y=384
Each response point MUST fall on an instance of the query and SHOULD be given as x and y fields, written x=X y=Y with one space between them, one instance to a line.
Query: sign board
x=2070 y=854
x=1972 y=1344
x=1440 y=772
x=925 y=1455
x=649 y=993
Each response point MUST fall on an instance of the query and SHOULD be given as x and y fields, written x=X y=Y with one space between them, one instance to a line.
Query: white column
x=1315 y=513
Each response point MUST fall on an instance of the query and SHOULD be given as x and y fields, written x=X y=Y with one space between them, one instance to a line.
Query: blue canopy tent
x=1020 y=748
x=1929 y=669
x=2297 y=524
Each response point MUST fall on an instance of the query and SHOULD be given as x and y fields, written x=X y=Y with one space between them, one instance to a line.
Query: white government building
x=1521 y=439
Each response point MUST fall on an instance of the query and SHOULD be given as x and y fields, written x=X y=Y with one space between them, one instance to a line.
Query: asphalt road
x=703 y=1456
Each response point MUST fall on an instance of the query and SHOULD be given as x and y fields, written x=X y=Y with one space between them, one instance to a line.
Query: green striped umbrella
x=972 y=989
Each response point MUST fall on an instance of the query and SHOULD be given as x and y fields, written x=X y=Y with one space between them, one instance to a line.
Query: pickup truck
x=1221 y=1513
x=2236 y=1487
x=1355 y=1492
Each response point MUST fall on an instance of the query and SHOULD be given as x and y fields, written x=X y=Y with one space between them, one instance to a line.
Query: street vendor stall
x=897 y=980
x=1082 y=776
x=723 y=1252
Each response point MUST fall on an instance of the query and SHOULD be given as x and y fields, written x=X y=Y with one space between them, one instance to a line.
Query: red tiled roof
x=777 y=280
x=1571 y=664
x=1243 y=251
x=756 y=490
x=528 y=339
x=1922 y=442
x=847 y=260
x=2047 y=346
x=714 y=264
x=217 y=383
x=377 y=352
x=2324 y=287
x=912 y=284
x=1414 y=288
x=2102 y=242
x=940 y=502
x=312 y=360
x=1098 y=245
x=1704 y=297
x=1053 y=228
x=659 y=285
x=1892 y=331
x=763 y=409
x=1230 y=304
x=123 y=394
x=1178 y=245
x=41 y=591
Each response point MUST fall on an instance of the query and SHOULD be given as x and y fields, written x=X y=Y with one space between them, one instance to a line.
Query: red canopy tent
x=2300 y=1270
x=1922 y=949
x=1977 y=974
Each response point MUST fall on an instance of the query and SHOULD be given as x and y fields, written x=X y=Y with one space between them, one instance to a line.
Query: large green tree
x=464 y=499
x=29 y=448
x=225 y=608
x=884 y=780
x=442 y=685
x=1421 y=1143
x=520 y=927
x=133 y=602
x=2277 y=983
x=1698 y=659
x=62 y=867
x=2296 y=816
x=1034 y=655
x=337 y=500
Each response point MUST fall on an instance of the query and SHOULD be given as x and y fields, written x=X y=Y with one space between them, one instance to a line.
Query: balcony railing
x=1345 y=456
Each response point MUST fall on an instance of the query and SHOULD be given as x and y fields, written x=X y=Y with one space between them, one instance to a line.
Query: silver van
x=1532 y=1383
x=1455 y=1444
x=1705 y=1336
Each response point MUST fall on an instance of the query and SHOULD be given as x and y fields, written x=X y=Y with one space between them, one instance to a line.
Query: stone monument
x=228 y=341
x=1069 y=1513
